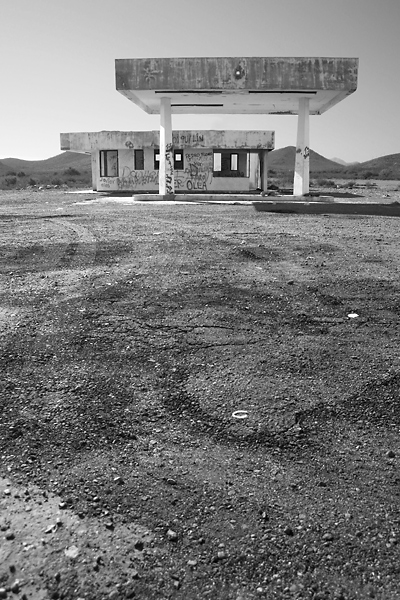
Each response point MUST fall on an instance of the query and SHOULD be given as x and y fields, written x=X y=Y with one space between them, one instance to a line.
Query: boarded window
x=108 y=163
x=139 y=160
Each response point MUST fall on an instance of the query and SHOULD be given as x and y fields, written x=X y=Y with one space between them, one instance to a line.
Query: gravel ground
x=131 y=336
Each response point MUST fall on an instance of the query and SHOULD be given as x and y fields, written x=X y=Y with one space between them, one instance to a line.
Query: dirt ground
x=130 y=337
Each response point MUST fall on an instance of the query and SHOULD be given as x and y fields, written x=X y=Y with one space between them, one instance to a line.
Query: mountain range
x=281 y=161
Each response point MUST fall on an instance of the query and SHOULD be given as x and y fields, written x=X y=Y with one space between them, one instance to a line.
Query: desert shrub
x=326 y=183
x=71 y=171
x=21 y=174
x=31 y=181
x=11 y=173
x=272 y=172
x=351 y=184
x=10 y=181
x=385 y=174
x=56 y=181
x=369 y=174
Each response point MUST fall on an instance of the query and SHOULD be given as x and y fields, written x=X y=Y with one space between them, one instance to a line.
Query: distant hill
x=283 y=159
x=56 y=163
x=386 y=167
x=69 y=169
x=344 y=163
x=389 y=161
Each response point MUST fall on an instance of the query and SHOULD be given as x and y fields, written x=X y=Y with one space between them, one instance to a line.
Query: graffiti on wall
x=169 y=169
x=198 y=172
x=197 y=175
x=187 y=139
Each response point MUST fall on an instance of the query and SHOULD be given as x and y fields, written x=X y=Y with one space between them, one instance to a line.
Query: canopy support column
x=166 y=175
x=301 y=183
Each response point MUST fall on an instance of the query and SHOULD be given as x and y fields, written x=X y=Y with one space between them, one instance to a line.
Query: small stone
x=7 y=492
x=15 y=588
x=172 y=535
x=113 y=594
x=390 y=454
x=328 y=537
x=3 y=593
x=192 y=563
x=71 y=552
x=62 y=505
x=134 y=574
x=109 y=525
x=10 y=535
x=139 y=545
x=171 y=481
x=288 y=530
x=118 y=480
x=221 y=555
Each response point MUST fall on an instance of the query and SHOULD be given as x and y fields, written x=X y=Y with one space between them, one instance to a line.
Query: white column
x=166 y=175
x=301 y=183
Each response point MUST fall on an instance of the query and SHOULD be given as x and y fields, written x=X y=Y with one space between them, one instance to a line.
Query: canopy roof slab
x=236 y=85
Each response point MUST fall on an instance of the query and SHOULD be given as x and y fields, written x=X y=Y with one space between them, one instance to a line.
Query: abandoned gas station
x=168 y=161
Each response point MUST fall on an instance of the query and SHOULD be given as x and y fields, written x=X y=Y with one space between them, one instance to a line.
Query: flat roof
x=253 y=85
x=88 y=141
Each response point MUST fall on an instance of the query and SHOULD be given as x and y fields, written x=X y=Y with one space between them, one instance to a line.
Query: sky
x=57 y=66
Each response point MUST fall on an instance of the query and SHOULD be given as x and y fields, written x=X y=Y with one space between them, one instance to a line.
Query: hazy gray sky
x=57 y=69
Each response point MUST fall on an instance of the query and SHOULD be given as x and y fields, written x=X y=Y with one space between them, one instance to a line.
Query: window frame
x=104 y=165
x=223 y=158
x=178 y=165
x=138 y=152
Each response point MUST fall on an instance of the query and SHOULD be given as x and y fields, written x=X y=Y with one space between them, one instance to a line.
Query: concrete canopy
x=254 y=85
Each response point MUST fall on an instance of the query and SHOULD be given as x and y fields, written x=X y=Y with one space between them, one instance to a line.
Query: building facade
x=203 y=161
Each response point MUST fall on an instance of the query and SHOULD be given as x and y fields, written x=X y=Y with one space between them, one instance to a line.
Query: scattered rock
x=72 y=552
x=139 y=545
x=288 y=530
x=10 y=535
x=390 y=454
x=172 y=535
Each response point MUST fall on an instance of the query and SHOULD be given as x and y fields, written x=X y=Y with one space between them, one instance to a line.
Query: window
x=156 y=160
x=178 y=159
x=231 y=164
x=139 y=160
x=108 y=163
x=234 y=162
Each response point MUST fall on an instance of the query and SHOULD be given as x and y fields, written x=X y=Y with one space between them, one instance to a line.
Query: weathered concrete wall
x=240 y=73
x=115 y=140
x=197 y=175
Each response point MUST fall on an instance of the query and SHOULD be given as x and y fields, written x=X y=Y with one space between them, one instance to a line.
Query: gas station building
x=168 y=161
